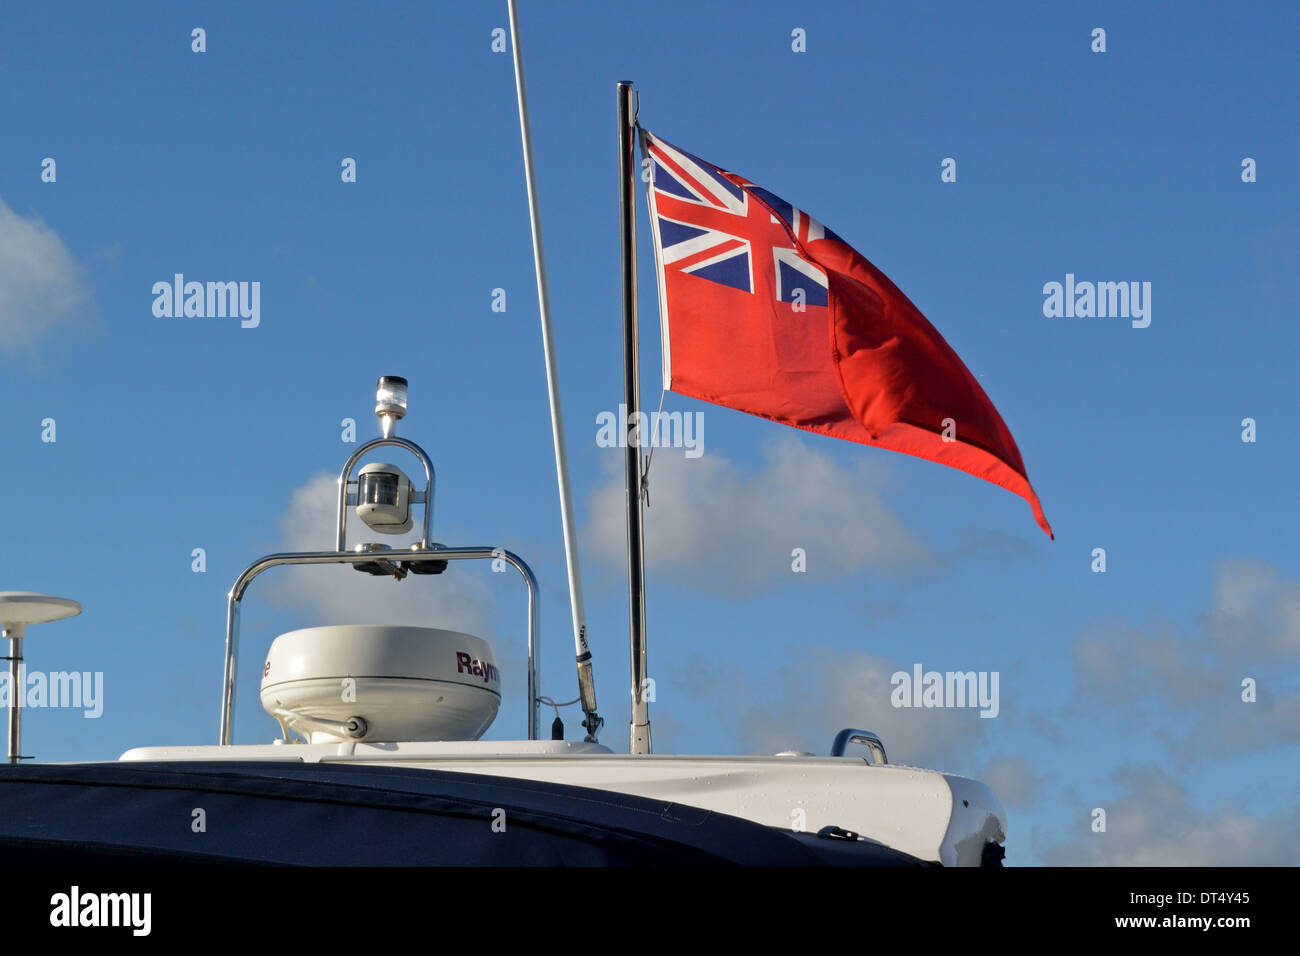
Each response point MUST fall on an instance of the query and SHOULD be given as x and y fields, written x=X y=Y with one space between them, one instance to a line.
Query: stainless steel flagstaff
x=640 y=729
x=586 y=680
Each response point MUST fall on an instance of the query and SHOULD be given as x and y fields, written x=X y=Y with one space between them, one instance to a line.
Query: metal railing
x=427 y=550
x=851 y=736
x=355 y=557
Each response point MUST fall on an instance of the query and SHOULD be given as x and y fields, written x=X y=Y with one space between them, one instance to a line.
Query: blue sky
x=1118 y=690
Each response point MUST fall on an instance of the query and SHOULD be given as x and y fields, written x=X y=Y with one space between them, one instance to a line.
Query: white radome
x=406 y=683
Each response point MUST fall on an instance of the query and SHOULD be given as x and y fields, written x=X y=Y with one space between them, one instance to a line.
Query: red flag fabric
x=766 y=311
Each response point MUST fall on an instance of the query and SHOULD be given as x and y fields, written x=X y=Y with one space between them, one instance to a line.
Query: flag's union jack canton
x=764 y=310
x=708 y=225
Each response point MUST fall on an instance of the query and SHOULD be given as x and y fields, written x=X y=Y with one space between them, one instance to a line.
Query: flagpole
x=586 y=680
x=640 y=726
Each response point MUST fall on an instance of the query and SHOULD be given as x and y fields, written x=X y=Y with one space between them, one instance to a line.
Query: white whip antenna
x=586 y=681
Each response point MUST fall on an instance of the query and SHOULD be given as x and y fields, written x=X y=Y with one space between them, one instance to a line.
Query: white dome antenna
x=398 y=684
x=17 y=610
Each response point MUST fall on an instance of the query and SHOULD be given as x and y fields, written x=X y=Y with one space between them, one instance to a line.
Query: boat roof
x=363 y=815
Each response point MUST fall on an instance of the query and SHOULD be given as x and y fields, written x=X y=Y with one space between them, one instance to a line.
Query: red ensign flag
x=766 y=311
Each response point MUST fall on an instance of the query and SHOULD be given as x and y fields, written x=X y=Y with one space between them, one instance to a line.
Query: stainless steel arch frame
x=427 y=550
x=355 y=557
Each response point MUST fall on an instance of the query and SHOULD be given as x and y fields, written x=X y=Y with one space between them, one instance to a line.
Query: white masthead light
x=390 y=402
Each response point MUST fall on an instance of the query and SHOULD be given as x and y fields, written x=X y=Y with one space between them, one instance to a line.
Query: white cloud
x=41 y=292
x=1118 y=663
x=1187 y=687
x=342 y=595
x=712 y=525
x=1255 y=611
x=1011 y=780
x=1153 y=824
x=823 y=692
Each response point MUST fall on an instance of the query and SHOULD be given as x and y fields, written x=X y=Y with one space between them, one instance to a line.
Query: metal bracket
x=349 y=497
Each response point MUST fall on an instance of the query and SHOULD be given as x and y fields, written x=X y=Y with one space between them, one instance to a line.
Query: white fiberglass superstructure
x=420 y=699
